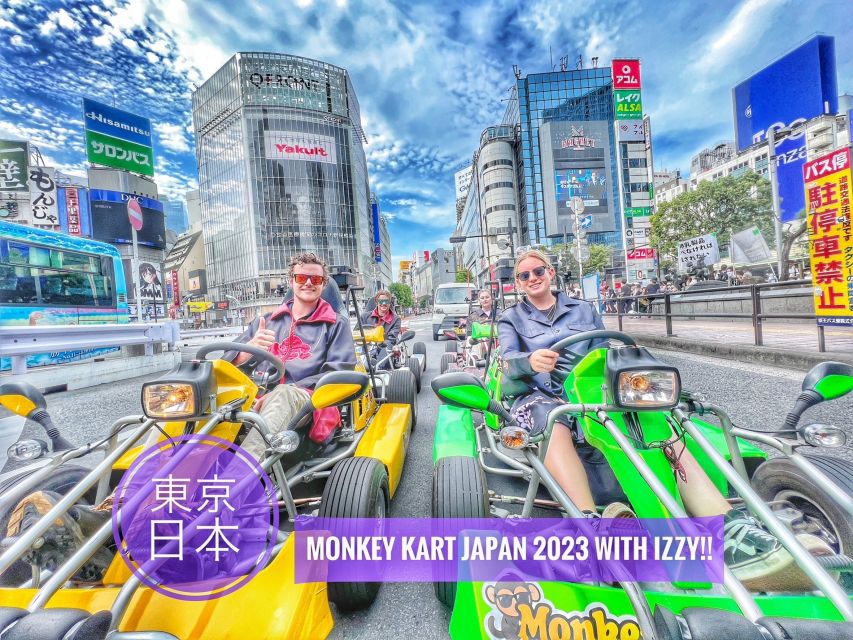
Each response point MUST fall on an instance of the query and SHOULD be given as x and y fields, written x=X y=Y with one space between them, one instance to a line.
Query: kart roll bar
x=756 y=505
x=841 y=497
x=363 y=340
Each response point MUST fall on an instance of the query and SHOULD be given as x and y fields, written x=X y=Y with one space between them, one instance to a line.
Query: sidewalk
x=787 y=344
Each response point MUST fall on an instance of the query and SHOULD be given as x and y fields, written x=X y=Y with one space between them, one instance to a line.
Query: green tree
x=403 y=294
x=464 y=275
x=721 y=206
x=599 y=258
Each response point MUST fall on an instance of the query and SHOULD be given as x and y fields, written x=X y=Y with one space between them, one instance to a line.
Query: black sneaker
x=758 y=559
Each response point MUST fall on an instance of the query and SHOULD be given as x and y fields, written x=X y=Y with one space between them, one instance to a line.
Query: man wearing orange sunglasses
x=311 y=338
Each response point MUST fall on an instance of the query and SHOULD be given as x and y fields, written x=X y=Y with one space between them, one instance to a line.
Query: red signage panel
x=626 y=73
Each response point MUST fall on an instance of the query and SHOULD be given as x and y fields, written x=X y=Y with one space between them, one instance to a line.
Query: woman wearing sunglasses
x=526 y=331
x=384 y=315
x=311 y=339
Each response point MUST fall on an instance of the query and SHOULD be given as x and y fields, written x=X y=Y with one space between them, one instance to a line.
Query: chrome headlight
x=25 y=450
x=284 y=442
x=823 y=435
x=514 y=437
x=648 y=388
x=169 y=400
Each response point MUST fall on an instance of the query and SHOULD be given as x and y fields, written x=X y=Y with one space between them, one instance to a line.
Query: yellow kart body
x=271 y=605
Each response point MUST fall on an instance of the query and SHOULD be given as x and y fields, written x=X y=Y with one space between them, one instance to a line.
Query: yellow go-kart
x=86 y=590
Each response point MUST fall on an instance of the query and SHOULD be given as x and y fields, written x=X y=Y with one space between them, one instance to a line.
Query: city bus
x=49 y=278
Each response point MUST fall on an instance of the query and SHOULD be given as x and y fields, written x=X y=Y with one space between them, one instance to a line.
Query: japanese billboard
x=117 y=139
x=73 y=208
x=626 y=73
x=698 y=253
x=111 y=224
x=630 y=131
x=377 y=244
x=628 y=104
x=43 y=198
x=14 y=165
x=794 y=88
x=827 y=193
x=289 y=145
x=463 y=181
x=576 y=164
x=405 y=265
x=15 y=206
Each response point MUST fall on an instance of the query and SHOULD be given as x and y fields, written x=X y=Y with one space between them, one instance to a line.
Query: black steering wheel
x=597 y=334
x=263 y=355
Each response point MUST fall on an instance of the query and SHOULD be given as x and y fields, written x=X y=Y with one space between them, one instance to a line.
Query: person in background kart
x=311 y=339
x=526 y=332
x=384 y=315
x=483 y=315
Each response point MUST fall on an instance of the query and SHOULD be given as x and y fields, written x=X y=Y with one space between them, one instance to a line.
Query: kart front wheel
x=415 y=367
x=402 y=389
x=458 y=491
x=447 y=359
x=781 y=479
x=357 y=488
x=420 y=348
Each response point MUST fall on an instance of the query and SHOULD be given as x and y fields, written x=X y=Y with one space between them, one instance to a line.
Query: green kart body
x=574 y=610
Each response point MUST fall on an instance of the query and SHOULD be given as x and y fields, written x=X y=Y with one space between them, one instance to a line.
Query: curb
x=785 y=358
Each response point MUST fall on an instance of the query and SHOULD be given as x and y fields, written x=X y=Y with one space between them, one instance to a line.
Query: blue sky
x=429 y=76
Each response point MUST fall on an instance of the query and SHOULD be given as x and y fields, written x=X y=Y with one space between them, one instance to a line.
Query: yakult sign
x=288 y=145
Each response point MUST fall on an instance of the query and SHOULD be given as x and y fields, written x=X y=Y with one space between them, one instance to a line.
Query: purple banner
x=483 y=550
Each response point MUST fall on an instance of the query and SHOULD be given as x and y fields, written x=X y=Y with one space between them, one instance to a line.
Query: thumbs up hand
x=263 y=338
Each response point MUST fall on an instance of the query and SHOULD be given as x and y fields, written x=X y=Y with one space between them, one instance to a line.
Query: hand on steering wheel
x=262 y=355
x=572 y=358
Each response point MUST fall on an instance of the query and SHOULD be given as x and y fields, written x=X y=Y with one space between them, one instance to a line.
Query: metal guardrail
x=752 y=292
x=201 y=333
x=19 y=342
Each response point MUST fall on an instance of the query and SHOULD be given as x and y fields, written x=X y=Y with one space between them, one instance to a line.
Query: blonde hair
x=531 y=253
x=383 y=292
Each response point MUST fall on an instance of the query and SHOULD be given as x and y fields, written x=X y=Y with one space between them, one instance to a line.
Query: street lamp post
x=774 y=194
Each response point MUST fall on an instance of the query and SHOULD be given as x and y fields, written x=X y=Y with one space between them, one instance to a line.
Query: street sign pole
x=134 y=268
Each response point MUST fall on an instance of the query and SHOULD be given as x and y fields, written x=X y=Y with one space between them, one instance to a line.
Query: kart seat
x=331 y=294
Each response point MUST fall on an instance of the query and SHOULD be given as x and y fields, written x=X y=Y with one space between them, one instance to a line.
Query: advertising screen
x=108 y=210
x=796 y=87
x=576 y=163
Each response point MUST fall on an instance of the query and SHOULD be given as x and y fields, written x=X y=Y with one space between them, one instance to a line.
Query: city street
x=755 y=396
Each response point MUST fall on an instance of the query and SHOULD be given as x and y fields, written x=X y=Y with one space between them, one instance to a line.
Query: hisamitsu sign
x=116 y=123
x=117 y=139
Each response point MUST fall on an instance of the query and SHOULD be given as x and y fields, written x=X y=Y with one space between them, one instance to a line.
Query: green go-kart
x=627 y=403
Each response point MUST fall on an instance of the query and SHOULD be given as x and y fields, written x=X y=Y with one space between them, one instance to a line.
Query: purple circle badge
x=195 y=517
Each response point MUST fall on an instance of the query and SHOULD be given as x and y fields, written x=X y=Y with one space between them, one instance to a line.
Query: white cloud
x=66 y=21
x=172 y=137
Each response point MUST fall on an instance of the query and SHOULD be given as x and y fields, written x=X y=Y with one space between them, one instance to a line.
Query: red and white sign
x=626 y=73
x=72 y=208
x=641 y=254
x=288 y=145
x=826 y=165
x=176 y=290
x=426 y=256
x=134 y=214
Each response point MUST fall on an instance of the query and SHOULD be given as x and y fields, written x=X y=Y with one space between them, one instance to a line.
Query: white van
x=450 y=305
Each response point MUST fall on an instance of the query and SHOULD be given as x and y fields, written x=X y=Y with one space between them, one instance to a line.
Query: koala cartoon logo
x=506 y=596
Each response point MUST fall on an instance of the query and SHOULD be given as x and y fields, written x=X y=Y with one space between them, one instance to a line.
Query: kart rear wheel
x=415 y=367
x=402 y=389
x=781 y=479
x=61 y=481
x=446 y=360
x=450 y=346
x=458 y=491
x=420 y=348
x=356 y=488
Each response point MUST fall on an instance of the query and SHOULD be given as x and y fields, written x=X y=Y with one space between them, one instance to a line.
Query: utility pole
x=774 y=192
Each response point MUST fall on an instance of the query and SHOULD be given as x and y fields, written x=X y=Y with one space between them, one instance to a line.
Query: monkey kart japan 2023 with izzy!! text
x=633 y=418
x=69 y=570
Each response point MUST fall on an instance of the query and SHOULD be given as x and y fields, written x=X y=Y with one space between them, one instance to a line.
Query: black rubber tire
x=446 y=360
x=402 y=389
x=780 y=474
x=61 y=482
x=46 y=624
x=420 y=348
x=414 y=366
x=458 y=491
x=715 y=624
x=353 y=490
x=450 y=346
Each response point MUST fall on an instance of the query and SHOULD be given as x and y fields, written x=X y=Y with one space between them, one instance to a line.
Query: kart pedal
x=499 y=512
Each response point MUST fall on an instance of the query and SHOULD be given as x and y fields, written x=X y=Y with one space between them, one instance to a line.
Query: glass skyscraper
x=282 y=170
x=571 y=98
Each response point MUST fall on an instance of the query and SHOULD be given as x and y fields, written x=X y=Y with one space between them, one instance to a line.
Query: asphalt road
x=755 y=396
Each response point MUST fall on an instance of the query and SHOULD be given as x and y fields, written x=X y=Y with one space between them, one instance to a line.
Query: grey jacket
x=392 y=328
x=523 y=329
x=309 y=347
